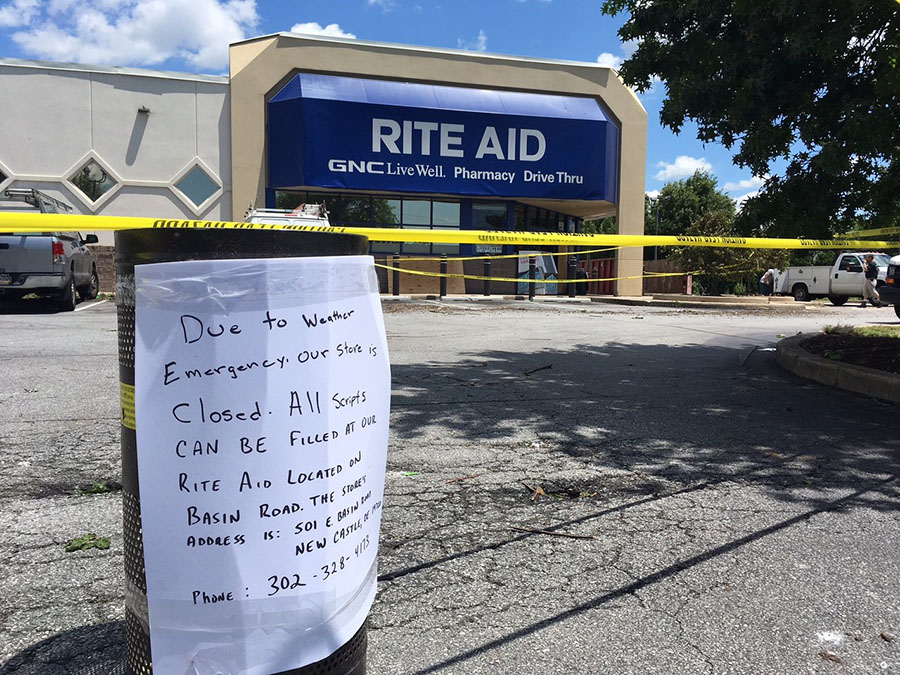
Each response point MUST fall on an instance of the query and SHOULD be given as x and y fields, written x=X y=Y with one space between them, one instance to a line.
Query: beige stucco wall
x=260 y=66
x=57 y=117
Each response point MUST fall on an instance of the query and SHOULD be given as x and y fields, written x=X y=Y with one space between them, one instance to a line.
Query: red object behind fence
x=601 y=268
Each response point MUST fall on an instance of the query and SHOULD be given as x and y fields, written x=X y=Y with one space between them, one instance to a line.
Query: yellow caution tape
x=42 y=222
x=126 y=398
x=506 y=255
x=870 y=233
x=526 y=280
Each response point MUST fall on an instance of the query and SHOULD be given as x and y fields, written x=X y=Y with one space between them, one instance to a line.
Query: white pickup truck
x=838 y=282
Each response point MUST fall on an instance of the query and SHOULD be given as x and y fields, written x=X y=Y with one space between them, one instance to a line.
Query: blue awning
x=364 y=134
x=440 y=97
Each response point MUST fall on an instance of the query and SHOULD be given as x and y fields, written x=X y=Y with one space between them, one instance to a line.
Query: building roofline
x=487 y=56
x=224 y=79
x=113 y=70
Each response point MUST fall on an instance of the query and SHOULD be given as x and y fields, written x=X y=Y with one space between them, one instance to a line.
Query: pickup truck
x=838 y=282
x=58 y=265
x=890 y=292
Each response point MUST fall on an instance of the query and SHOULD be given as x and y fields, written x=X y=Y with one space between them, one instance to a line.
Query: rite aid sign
x=359 y=134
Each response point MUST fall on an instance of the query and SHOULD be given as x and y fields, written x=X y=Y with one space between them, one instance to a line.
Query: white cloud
x=746 y=184
x=753 y=184
x=739 y=201
x=479 y=44
x=653 y=194
x=312 y=28
x=610 y=60
x=19 y=13
x=141 y=32
x=683 y=167
x=627 y=48
x=386 y=5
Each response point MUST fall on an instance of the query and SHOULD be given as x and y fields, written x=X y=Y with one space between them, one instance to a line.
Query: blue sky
x=192 y=36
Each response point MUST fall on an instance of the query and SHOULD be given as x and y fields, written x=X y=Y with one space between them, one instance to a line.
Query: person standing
x=868 y=291
x=766 y=281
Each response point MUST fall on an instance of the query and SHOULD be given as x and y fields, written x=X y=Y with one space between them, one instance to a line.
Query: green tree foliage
x=697 y=207
x=724 y=270
x=602 y=226
x=816 y=83
x=682 y=203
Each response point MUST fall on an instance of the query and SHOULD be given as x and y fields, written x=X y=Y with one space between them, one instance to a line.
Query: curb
x=485 y=298
x=652 y=301
x=858 y=379
x=643 y=301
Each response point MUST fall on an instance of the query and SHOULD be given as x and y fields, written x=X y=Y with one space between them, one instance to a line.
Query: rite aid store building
x=384 y=135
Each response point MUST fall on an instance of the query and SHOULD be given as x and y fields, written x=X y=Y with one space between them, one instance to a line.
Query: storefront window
x=332 y=203
x=289 y=200
x=521 y=223
x=446 y=214
x=356 y=210
x=350 y=210
x=385 y=247
x=445 y=249
x=415 y=247
x=385 y=212
x=489 y=216
x=416 y=212
x=560 y=224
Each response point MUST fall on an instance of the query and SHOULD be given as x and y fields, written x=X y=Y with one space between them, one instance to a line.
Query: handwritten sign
x=262 y=399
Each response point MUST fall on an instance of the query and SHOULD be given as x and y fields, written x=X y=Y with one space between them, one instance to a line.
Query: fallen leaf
x=831 y=656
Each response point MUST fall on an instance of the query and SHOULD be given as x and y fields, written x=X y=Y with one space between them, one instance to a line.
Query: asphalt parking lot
x=572 y=488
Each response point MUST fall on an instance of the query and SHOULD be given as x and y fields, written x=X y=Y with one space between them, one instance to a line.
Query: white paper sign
x=262 y=404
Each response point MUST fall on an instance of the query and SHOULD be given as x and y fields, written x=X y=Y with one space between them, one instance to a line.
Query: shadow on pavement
x=89 y=650
x=800 y=443
x=676 y=416
x=30 y=306
x=676 y=419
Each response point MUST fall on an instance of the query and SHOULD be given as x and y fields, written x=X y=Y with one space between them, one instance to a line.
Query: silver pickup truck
x=58 y=265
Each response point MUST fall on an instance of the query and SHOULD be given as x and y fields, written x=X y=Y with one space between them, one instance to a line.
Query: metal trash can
x=137 y=247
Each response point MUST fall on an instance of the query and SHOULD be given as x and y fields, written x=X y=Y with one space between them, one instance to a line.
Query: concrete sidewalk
x=773 y=303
